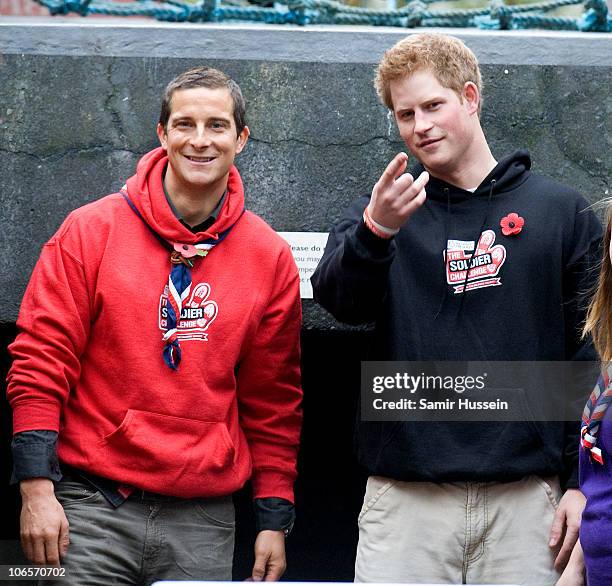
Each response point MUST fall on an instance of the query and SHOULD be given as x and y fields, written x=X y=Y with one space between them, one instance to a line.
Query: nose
x=200 y=138
x=422 y=123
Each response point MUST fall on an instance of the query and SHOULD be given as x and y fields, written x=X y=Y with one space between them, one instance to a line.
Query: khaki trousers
x=457 y=533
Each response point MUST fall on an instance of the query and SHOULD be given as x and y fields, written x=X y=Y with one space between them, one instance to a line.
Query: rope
x=496 y=16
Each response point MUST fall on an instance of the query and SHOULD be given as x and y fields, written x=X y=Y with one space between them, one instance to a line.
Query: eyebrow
x=181 y=119
x=435 y=99
x=188 y=118
x=424 y=103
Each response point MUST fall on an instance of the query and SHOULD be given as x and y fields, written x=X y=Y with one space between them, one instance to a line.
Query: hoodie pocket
x=181 y=447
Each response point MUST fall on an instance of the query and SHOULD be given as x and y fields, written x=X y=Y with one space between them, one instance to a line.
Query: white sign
x=307 y=248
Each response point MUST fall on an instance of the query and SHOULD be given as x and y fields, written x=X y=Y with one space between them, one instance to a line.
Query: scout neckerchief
x=594 y=412
x=182 y=257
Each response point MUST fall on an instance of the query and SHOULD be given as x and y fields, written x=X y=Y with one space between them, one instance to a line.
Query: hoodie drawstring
x=446 y=235
x=476 y=241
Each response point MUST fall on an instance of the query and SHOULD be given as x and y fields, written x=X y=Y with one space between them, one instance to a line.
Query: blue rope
x=497 y=15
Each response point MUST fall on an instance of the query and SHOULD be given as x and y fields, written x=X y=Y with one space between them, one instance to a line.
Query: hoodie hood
x=510 y=172
x=146 y=191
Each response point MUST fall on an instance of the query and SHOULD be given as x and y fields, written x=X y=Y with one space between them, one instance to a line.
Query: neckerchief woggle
x=594 y=412
x=182 y=257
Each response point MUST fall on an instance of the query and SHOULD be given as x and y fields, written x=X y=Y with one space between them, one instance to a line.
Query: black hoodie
x=528 y=304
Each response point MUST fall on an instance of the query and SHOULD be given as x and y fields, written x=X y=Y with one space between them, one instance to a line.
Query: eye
x=182 y=124
x=407 y=115
x=433 y=105
x=218 y=125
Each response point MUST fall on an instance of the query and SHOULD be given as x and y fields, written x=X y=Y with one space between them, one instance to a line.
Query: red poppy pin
x=186 y=250
x=512 y=224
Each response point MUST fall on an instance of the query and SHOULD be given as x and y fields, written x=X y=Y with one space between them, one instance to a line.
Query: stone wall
x=79 y=101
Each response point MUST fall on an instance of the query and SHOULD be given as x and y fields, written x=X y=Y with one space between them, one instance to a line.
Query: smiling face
x=201 y=141
x=437 y=125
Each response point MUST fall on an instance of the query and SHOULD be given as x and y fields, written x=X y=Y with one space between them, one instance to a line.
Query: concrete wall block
x=79 y=103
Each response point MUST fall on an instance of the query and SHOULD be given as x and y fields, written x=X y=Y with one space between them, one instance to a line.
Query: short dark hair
x=210 y=78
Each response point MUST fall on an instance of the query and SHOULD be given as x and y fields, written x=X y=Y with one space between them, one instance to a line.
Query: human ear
x=243 y=137
x=162 y=135
x=471 y=95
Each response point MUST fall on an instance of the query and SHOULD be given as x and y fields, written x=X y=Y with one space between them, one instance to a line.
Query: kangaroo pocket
x=186 y=450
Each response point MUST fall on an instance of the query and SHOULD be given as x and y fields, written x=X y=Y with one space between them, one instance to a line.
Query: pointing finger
x=396 y=167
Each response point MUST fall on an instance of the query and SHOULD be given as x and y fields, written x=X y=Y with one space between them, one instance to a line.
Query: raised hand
x=397 y=195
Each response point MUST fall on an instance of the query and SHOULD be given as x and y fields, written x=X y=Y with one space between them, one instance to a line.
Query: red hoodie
x=88 y=359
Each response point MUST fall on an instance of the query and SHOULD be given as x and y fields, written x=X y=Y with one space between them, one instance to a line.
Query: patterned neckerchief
x=182 y=257
x=594 y=412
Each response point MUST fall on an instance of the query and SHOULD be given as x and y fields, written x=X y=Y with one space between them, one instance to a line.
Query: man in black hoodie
x=451 y=501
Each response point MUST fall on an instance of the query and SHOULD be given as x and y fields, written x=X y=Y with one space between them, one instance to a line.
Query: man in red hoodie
x=156 y=367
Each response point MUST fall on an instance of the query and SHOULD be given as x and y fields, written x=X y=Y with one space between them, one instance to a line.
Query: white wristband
x=384 y=229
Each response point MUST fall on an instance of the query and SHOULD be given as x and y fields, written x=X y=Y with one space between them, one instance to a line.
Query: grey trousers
x=457 y=533
x=147 y=538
